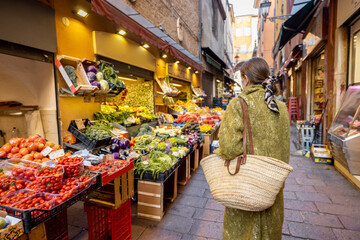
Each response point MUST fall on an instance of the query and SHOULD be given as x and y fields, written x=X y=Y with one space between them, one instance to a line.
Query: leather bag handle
x=247 y=131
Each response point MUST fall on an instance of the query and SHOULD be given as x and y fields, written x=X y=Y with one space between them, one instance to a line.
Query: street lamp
x=265 y=6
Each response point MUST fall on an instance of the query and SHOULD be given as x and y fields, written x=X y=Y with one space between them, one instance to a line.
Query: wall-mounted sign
x=314 y=36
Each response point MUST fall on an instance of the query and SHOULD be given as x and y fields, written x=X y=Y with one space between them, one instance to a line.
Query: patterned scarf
x=268 y=84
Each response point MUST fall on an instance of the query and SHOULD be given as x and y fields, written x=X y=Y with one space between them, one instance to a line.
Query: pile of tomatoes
x=38 y=201
x=73 y=166
x=28 y=149
x=24 y=170
x=49 y=178
x=16 y=197
x=10 y=184
x=109 y=166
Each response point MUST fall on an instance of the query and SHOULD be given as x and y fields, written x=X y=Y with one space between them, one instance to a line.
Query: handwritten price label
x=57 y=154
x=46 y=151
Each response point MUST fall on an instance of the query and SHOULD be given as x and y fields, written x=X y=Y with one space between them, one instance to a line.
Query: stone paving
x=319 y=204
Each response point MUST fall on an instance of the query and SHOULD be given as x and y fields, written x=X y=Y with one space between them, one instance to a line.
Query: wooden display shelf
x=152 y=195
x=355 y=180
x=208 y=139
x=114 y=193
x=184 y=171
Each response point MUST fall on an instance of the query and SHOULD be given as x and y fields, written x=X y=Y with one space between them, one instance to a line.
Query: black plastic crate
x=90 y=144
x=32 y=218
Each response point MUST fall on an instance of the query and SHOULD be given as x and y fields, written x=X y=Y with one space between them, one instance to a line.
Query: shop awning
x=213 y=59
x=292 y=56
x=297 y=23
x=122 y=14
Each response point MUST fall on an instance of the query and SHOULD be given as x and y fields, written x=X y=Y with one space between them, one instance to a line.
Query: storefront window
x=355 y=59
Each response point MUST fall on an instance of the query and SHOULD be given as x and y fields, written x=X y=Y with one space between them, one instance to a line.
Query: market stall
x=344 y=136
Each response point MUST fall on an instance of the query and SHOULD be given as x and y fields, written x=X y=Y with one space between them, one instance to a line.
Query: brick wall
x=166 y=12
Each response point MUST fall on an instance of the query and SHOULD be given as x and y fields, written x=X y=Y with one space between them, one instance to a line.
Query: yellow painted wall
x=75 y=39
x=117 y=47
x=242 y=22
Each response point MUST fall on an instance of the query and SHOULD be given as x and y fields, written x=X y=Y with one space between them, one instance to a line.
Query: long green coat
x=271 y=137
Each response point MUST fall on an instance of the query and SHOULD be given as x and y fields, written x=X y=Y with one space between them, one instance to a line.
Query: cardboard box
x=321 y=154
x=14 y=230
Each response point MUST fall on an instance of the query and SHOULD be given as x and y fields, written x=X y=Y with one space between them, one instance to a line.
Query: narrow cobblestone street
x=319 y=204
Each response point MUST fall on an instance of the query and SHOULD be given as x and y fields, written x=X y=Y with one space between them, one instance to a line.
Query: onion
x=91 y=76
x=96 y=84
x=91 y=68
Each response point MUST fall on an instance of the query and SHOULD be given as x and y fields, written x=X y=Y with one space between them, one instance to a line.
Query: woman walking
x=271 y=137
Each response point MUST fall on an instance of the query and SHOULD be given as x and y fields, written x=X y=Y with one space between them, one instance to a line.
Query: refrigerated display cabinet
x=344 y=133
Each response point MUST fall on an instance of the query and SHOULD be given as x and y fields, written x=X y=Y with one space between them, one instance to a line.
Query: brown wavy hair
x=256 y=69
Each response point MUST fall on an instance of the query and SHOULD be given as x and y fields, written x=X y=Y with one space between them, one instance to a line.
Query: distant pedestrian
x=271 y=137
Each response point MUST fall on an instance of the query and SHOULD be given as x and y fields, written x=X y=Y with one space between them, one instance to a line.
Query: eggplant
x=123 y=144
x=116 y=155
x=127 y=143
x=114 y=147
x=115 y=140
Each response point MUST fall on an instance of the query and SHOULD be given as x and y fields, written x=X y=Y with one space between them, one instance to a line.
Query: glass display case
x=344 y=133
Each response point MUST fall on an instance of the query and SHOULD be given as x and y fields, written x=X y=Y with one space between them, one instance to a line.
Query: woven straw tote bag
x=248 y=182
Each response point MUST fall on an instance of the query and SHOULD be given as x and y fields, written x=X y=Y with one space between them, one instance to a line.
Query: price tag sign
x=97 y=97
x=79 y=124
x=46 y=151
x=87 y=97
x=50 y=164
x=87 y=163
x=57 y=154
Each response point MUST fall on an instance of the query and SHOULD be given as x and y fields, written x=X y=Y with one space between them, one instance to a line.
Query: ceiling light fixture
x=18 y=113
x=218 y=80
x=82 y=13
x=122 y=32
x=196 y=72
x=177 y=62
x=176 y=85
x=189 y=68
x=145 y=45
x=164 y=56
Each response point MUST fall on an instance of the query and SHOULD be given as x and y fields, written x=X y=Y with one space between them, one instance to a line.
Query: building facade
x=245 y=37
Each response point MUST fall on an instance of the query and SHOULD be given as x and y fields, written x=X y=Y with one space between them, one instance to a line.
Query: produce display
x=123 y=115
x=109 y=166
x=190 y=127
x=145 y=128
x=205 y=128
x=111 y=76
x=10 y=184
x=98 y=130
x=28 y=149
x=73 y=166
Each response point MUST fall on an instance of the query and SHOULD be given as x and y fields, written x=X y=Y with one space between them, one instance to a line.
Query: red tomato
x=24 y=151
x=15 y=150
x=2 y=153
x=32 y=147
x=28 y=157
x=7 y=148
x=14 y=142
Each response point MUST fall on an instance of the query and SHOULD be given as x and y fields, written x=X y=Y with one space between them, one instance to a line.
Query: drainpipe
x=200 y=28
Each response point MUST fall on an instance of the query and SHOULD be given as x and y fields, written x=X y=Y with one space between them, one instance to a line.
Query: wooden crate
x=115 y=193
x=150 y=200
x=184 y=173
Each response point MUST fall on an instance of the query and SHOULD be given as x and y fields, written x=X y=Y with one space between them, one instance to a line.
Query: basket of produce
x=73 y=166
x=49 y=179
x=93 y=135
x=116 y=86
